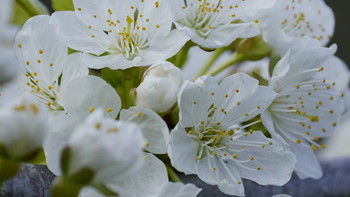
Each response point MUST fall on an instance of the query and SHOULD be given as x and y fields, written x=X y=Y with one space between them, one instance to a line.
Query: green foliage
x=20 y=15
x=61 y=5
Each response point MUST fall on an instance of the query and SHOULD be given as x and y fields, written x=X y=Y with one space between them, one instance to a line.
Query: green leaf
x=60 y=5
x=20 y=15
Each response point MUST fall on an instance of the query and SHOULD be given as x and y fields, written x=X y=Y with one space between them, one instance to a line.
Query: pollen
x=298 y=141
x=98 y=125
x=139 y=114
x=234 y=156
x=109 y=110
x=147 y=144
x=92 y=109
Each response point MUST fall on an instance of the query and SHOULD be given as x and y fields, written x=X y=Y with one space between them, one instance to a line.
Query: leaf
x=61 y=5
x=20 y=16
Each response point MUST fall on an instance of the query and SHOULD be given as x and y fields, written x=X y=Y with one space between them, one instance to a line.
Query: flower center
x=45 y=94
x=205 y=17
x=130 y=39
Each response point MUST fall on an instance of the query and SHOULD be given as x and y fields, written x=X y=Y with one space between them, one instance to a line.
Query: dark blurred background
x=341 y=9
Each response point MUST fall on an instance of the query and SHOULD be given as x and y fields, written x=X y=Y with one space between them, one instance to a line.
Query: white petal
x=73 y=67
x=77 y=35
x=40 y=50
x=148 y=182
x=182 y=151
x=84 y=94
x=113 y=61
x=179 y=190
x=277 y=172
x=307 y=165
x=164 y=47
x=57 y=139
x=152 y=125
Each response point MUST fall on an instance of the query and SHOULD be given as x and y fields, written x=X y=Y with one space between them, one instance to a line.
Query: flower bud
x=160 y=87
x=24 y=125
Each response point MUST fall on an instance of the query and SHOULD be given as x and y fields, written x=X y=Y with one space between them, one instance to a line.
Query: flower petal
x=152 y=125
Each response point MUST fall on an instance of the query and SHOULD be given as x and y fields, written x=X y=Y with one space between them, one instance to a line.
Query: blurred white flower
x=152 y=125
x=126 y=33
x=305 y=109
x=289 y=20
x=24 y=125
x=8 y=63
x=160 y=87
x=99 y=145
x=59 y=80
x=151 y=181
x=209 y=141
x=214 y=24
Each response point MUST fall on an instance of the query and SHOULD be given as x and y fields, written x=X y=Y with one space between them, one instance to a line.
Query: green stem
x=217 y=53
x=235 y=58
x=172 y=175
x=182 y=56
x=29 y=7
x=62 y=186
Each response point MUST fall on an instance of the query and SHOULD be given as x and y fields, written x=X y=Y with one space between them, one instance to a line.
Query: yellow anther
x=298 y=141
x=113 y=130
x=91 y=109
x=98 y=125
x=109 y=110
x=139 y=114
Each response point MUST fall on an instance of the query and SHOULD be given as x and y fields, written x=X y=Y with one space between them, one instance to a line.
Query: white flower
x=152 y=125
x=154 y=128
x=214 y=24
x=8 y=63
x=209 y=141
x=160 y=87
x=127 y=33
x=24 y=125
x=59 y=80
x=100 y=144
x=151 y=181
x=290 y=20
x=305 y=109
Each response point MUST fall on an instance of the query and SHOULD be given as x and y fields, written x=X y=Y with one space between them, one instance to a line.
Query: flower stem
x=217 y=53
x=29 y=7
x=64 y=187
x=235 y=58
x=182 y=56
x=172 y=175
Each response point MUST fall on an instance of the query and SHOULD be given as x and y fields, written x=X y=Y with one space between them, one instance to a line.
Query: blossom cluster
x=99 y=94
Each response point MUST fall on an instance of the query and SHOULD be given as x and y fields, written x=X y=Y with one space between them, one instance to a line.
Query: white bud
x=24 y=125
x=160 y=87
x=111 y=149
